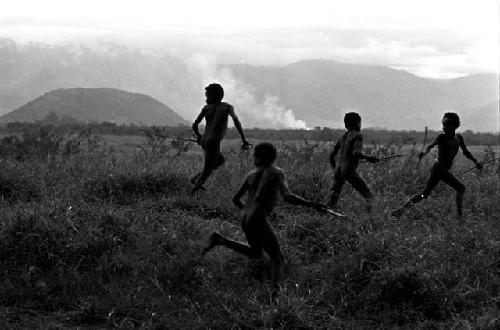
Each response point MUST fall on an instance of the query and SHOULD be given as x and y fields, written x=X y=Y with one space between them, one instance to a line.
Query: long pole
x=483 y=163
x=385 y=158
x=174 y=137
x=423 y=147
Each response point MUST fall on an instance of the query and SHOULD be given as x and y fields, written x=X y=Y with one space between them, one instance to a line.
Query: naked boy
x=345 y=159
x=216 y=114
x=263 y=185
x=448 y=144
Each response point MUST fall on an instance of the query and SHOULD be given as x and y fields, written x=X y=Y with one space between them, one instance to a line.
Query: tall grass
x=103 y=238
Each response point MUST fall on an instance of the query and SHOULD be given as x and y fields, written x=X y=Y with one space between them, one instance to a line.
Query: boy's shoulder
x=441 y=137
x=224 y=105
x=269 y=170
x=354 y=135
x=275 y=169
x=227 y=105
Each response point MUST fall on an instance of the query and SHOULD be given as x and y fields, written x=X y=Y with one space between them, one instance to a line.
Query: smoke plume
x=265 y=113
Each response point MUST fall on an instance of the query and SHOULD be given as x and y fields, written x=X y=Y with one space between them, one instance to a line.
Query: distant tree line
x=372 y=136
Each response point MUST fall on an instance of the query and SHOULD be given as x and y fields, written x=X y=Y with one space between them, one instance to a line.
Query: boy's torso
x=263 y=189
x=447 y=149
x=346 y=159
x=216 y=117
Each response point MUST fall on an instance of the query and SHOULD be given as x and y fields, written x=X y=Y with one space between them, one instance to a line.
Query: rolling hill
x=96 y=105
x=321 y=91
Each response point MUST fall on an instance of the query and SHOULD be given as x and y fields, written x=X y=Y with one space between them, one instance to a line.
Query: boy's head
x=264 y=154
x=214 y=93
x=352 y=121
x=450 y=122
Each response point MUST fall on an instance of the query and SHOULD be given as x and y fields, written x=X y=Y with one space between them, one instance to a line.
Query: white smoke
x=267 y=113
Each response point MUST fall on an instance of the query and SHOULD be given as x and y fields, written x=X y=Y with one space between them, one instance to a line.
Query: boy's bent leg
x=212 y=153
x=216 y=239
x=242 y=248
x=451 y=180
x=360 y=185
x=195 y=177
x=219 y=161
x=272 y=247
x=431 y=184
x=338 y=183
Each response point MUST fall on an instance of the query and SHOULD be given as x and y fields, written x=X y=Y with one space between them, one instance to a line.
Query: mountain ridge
x=96 y=105
x=384 y=96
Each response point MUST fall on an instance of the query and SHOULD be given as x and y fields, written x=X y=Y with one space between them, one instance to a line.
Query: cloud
x=426 y=50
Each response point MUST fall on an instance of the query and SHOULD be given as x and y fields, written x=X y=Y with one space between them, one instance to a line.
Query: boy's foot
x=214 y=240
x=194 y=178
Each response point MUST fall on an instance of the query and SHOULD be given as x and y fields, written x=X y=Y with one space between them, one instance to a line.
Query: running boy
x=448 y=144
x=216 y=115
x=263 y=185
x=345 y=159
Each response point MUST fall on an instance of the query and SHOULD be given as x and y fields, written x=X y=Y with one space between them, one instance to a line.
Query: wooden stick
x=473 y=168
x=174 y=138
x=385 y=158
x=423 y=147
x=340 y=215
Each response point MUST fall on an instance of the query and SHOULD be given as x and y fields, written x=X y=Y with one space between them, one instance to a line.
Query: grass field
x=106 y=236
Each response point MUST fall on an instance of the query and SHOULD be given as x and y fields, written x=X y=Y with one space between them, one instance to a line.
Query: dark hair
x=266 y=152
x=454 y=118
x=351 y=120
x=215 y=91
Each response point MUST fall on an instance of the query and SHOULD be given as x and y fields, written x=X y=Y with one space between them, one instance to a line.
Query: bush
x=17 y=183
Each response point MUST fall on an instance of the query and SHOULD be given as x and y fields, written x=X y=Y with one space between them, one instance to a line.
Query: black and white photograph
x=250 y=164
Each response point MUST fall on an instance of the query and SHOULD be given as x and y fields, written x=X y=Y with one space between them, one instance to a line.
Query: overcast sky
x=432 y=38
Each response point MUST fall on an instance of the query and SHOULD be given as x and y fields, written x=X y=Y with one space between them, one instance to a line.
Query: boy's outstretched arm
x=237 y=197
x=467 y=153
x=197 y=121
x=293 y=199
x=358 y=151
x=429 y=147
x=238 y=126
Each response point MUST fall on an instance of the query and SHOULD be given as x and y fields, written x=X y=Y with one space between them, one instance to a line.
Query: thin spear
x=482 y=163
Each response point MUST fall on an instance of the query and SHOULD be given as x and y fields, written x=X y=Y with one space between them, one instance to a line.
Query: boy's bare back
x=216 y=116
x=349 y=144
x=264 y=186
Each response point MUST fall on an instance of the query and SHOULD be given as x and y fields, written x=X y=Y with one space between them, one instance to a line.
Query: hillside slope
x=96 y=105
